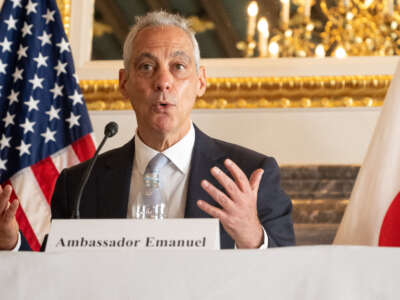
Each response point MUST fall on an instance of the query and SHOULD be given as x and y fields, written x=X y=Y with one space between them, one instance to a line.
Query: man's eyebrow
x=143 y=55
x=181 y=54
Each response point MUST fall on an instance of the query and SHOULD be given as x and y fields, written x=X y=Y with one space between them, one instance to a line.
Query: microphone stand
x=109 y=131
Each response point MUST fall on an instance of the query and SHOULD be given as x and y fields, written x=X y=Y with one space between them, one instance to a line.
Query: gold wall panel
x=257 y=92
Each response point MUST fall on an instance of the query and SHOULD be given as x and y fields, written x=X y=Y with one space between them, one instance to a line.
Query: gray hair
x=154 y=19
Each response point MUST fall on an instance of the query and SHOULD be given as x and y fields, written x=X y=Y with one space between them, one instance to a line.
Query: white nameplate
x=111 y=234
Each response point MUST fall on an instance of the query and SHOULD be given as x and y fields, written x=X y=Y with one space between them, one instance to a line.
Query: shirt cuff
x=265 y=244
x=16 y=248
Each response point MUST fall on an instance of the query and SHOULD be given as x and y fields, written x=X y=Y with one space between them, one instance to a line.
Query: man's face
x=162 y=83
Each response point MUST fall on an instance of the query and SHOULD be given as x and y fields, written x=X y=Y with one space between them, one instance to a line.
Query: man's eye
x=180 y=66
x=146 y=67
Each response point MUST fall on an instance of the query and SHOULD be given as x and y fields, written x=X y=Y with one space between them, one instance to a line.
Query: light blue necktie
x=152 y=192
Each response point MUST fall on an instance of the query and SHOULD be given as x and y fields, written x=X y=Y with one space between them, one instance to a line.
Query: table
x=309 y=272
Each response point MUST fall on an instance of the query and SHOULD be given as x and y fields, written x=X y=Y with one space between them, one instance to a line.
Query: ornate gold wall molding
x=64 y=6
x=268 y=92
x=255 y=92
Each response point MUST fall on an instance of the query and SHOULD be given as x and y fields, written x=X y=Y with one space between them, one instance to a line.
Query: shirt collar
x=178 y=154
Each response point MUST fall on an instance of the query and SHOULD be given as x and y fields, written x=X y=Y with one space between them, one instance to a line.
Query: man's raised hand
x=238 y=214
x=8 y=222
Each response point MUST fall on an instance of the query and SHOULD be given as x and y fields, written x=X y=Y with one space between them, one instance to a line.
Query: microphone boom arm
x=110 y=130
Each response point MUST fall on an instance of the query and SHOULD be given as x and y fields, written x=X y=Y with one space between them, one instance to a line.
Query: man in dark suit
x=206 y=177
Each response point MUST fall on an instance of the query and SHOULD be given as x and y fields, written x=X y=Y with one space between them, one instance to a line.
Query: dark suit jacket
x=107 y=191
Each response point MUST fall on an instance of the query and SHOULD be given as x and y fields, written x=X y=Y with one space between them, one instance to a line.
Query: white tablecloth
x=315 y=272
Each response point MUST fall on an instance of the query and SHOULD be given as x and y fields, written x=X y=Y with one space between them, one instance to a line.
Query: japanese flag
x=373 y=214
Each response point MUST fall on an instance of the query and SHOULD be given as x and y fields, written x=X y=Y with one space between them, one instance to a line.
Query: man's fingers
x=255 y=179
x=12 y=210
x=5 y=194
x=240 y=177
x=216 y=194
x=211 y=210
x=229 y=185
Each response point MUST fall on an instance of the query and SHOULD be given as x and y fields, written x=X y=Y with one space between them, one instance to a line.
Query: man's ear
x=202 y=82
x=123 y=79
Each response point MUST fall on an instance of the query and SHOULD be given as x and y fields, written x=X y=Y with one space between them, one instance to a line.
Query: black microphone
x=110 y=130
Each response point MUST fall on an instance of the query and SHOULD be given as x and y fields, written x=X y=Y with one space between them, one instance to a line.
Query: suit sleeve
x=24 y=246
x=274 y=207
x=61 y=206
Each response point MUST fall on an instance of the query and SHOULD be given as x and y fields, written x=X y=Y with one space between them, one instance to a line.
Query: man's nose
x=163 y=80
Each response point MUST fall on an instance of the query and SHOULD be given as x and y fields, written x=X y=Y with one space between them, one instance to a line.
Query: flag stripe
x=84 y=147
x=46 y=175
x=27 y=230
x=33 y=202
x=23 y=222
x=64 y=158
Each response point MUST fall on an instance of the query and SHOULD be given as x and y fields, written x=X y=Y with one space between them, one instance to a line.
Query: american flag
x=44 y=123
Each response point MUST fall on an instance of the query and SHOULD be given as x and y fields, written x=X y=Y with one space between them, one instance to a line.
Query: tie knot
x=156 y=163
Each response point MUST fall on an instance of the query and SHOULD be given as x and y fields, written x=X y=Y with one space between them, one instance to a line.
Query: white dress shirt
x=174 y=176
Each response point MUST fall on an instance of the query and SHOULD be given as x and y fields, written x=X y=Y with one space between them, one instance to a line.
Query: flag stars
x=26 y=29
x=76 y=98
x=36 y=82
x=11 y=22
x=60 y=68
x=13 y=97
x=3 y=164
x=24 y=136
x=30 y=7
x=23 y=148
x=32 y=104
x=8 y=119
x=73 y=120
x=22 y=52
x=2 y=67
x=17 y=75
x=53 y=113
x=57 y=90
x=5 y=142
x=45 y=38
x=63 y=45
x=6 y=45
x=16 y=3
x=49 y=16
x=48 y=135
x=41 y=60
x=27 y=126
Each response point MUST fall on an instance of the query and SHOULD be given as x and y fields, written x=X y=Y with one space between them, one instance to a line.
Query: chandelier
x=350 y=28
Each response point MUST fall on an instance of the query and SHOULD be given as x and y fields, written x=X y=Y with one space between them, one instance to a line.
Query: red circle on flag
x=390 y=230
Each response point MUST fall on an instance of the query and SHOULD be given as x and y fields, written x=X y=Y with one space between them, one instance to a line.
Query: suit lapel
x=206 y=154
x=113 y=184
